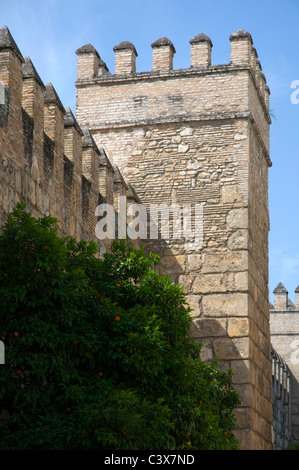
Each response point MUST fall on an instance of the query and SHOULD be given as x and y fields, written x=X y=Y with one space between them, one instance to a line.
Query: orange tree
x=97 y=353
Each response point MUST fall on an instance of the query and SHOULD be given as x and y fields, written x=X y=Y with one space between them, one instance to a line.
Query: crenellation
x=201 y=46
x=90 y=179
x=106 y=177
x=73 y=140
x=254 y=57
x=241 y=47
x=163 y=52
x=54 y=128
x=7 y=42
x=89 y=62
x=73 y=164
x=33 y=104
x=119 y=186
x=90 y=157
x=267 y=97
x=102 y=68
x=280 y=298
x=258 y=75
x=11 y=61
x=125 y=58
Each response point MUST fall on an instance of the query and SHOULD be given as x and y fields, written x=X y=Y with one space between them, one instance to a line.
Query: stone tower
x=200 y=136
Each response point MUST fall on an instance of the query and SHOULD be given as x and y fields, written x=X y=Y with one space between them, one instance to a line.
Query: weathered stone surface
x=241 y=372
x=217 y=305
x=173 y=264
x=225 y=262
x=238 y=218
x=238 y=327
x=207 y=327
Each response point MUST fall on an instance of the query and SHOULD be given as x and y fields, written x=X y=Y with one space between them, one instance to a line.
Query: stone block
x=194 y=301
x=230 y=261
x=186 y=282
x=230 y=194
x=225 y=305
x=238 y=240
x=194 y=263
x=238 y=327
x=243 y=416
x=229 y=349
x=173 y=264
x=238 y=218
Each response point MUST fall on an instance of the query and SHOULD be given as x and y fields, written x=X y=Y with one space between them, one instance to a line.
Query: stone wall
x=46 y=159
x=200 y=136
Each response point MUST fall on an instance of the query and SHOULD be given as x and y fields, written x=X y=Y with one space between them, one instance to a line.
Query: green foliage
x=97 y=350
x=296 y=447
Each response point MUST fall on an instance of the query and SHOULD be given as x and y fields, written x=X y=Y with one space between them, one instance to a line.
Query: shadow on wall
x=223 y=338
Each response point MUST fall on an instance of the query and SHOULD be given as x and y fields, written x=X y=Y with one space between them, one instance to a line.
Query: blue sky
x=49 y=32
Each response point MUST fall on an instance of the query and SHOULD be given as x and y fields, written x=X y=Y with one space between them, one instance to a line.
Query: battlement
x=282 y=302
x=47 y=160
x=243 y=56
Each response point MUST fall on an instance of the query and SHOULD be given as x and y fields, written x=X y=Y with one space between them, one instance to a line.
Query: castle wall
x=201 y=136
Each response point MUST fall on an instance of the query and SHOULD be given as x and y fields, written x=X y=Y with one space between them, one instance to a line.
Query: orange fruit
x=86 y=354
x=19 y=372
x=188 y=443
x=225 y=433
x=100 y=374
x=16 y=334
x=75 y=342
x=117 y=285
x=46 y=248
x=117 y=318
x=68 y=410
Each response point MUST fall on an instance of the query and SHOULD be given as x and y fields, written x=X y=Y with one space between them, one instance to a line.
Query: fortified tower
x=200 y=136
